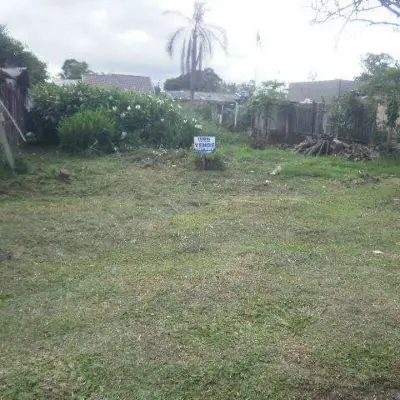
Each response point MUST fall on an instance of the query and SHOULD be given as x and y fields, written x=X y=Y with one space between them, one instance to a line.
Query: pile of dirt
x=325 y=146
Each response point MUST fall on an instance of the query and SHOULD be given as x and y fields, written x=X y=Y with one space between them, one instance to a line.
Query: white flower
x=194 y=120
x=114 y=108
x=198 y=126
x=110 y=98
x=138 y=107
x=129 y=108
x=179 y=106
x=123 y=115
x=123 y=135
x=162 y=120
x=185 y=121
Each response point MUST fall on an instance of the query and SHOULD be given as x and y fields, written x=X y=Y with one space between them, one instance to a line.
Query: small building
x=14 y=84
x=319 y=91
x=125 y=82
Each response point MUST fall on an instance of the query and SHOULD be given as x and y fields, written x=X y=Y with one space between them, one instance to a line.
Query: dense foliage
x=88 y=129
x=139 y=118
x=353 y=118
x=205 y=81
x=380 y=81
x=14 y=54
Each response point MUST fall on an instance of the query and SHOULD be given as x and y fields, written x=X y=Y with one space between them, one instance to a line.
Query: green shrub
x=210 y=162
x=87 y=129
x=53 y=103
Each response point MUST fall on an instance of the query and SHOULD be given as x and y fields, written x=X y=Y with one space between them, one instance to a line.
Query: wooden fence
x=292 y=122
x=14 y=99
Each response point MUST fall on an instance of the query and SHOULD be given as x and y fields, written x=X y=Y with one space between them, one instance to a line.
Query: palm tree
x=198 y=42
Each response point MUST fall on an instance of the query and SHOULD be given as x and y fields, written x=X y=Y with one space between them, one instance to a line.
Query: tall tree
x=73 y=69
x=380 y=80
x=14 y=54
x=359 y=10
x=198 y=42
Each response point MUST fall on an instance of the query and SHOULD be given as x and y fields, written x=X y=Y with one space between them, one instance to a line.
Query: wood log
x=328 y=149
x=314 y=149
x=301 y=147
x=322 y=148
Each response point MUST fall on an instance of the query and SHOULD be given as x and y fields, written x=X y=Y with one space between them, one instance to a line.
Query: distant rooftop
x=127 y=82
x=203 y=96
x=319 y=91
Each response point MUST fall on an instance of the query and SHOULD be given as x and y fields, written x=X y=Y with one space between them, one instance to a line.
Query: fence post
x=314 y=117
x=4 y=142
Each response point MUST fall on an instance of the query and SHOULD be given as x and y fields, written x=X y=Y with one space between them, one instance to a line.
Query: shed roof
x=119 y=81
x=203 y=96
x=13 y=72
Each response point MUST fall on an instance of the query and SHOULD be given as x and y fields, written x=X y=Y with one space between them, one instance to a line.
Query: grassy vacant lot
x=169 y=283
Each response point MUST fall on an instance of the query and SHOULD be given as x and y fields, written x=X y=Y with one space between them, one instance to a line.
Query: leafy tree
x=232 y=87
x=73 y=69
x=198 y=42
x=381 y=81
x=14 y=54
x=206 y=81
x=358 y=10
x=267 y=94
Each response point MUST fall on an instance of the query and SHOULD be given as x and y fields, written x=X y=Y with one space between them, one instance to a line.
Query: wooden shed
x=14 y=84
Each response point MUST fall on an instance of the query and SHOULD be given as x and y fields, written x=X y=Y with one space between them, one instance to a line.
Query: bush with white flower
x=140 y=119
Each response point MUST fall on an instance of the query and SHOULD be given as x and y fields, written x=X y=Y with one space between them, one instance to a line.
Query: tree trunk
x=194 y=65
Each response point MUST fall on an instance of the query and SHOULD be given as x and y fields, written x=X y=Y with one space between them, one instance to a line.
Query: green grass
x=164 y=282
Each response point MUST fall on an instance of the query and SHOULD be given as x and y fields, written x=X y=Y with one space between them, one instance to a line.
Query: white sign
x=204 y=144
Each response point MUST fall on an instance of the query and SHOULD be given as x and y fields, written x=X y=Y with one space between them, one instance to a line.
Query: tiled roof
x=127 y=82
x=203 y=96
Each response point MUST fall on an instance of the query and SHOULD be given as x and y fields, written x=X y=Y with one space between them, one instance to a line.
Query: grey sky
x=129 y=36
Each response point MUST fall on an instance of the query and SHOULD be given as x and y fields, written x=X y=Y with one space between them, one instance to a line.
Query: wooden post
x=4 y=142
x=314 y=118
x=221 y=120
x=236 y=113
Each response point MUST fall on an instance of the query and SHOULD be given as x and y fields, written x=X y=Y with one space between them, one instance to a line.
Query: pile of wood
x=325 y=145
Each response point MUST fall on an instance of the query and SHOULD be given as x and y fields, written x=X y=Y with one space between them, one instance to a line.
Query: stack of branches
x=328 y=145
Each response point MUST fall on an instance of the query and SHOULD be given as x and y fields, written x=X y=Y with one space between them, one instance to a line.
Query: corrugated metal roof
x=203 y=96
x=127 y=82
x=66 y=82
x=13 y=72
x=319 y=91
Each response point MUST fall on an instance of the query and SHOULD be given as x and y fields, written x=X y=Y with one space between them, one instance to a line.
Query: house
x=14 y=84
x=318 y=91
x=126 y=82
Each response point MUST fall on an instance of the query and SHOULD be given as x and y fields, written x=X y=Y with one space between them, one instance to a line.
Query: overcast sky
x=129 y=36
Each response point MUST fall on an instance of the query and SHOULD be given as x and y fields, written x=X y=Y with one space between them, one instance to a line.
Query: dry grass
x=170 y=283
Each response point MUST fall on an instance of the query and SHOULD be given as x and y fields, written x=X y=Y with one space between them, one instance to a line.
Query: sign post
x=203 y=146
